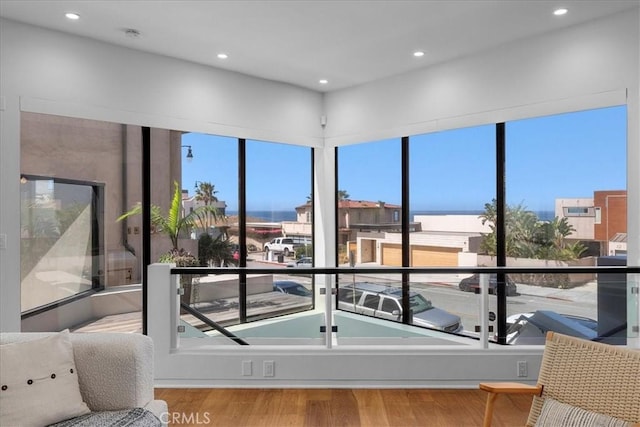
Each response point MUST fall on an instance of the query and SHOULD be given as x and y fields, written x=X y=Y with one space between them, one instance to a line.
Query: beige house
x=436 y=240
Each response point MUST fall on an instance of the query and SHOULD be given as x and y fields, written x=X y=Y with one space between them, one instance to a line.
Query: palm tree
x=215 y=252
x=343 y=195
x=172 y=223
x=206 y=193
x=528 y=237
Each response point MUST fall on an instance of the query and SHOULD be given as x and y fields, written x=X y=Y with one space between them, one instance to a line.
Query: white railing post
x=162 y=308
x=484 y=310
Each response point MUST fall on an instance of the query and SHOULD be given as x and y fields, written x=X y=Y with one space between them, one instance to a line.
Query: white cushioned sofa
x=114 y=372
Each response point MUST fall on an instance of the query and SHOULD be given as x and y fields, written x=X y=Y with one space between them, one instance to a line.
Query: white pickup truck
x=283 y=245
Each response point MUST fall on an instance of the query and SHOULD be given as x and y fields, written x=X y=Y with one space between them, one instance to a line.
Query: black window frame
x=97 y=242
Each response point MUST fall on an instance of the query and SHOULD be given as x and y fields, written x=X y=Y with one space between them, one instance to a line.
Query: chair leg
x=488 y=410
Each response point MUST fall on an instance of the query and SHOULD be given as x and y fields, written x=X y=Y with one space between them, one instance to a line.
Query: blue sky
x=562 y=156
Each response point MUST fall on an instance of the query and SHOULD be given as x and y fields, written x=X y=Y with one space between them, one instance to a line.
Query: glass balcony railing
x=409 y=306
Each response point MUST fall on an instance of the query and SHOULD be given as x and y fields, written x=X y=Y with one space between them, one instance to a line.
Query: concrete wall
x=583 y=225
x=109 y=154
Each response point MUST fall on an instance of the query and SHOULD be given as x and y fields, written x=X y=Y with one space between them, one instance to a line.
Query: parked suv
x=385 y=302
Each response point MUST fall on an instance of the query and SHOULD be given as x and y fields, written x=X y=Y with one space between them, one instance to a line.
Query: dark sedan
x=471 y=283
x=290 y=287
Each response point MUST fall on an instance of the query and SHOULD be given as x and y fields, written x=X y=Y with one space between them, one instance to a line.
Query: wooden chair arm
x=496 y=389
x=511 y=388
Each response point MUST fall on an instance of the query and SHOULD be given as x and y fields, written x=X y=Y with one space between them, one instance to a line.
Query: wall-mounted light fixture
x=189 y=153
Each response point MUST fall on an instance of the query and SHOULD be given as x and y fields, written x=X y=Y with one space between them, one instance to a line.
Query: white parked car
x=532 y=327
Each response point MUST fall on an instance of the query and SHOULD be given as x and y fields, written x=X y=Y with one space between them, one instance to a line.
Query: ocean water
x=279 y=216
x=270 y=216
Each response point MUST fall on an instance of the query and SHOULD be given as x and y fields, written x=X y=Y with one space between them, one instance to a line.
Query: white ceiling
x=299 y=42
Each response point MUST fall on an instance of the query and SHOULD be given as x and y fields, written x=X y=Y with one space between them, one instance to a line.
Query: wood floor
x=339 y=407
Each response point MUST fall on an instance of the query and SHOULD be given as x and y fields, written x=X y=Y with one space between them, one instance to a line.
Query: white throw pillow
x=558 y=414
x=39 y=382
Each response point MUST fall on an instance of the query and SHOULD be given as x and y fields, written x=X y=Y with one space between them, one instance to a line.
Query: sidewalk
x=586 y=292
x=583 y=293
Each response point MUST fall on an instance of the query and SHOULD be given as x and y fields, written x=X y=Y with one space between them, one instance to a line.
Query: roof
x=352 y=204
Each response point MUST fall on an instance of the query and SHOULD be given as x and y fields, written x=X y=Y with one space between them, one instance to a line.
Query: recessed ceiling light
x=222 y=56
x=72 y=15
x=323 y=81
x=561 y=11
x=418 y=53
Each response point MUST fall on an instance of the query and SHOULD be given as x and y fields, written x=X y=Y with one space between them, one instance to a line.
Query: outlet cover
x=247 y=368
x=522 y=368
x=269 y=368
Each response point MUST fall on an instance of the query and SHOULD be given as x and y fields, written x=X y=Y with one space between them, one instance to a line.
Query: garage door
x=431 y=256
x=391 y=255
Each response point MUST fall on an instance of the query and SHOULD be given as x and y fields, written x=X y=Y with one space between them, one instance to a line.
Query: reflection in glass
x=58 y=241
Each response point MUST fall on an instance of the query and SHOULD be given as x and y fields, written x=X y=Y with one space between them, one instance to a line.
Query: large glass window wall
x=262 y=192
x=542 y=192
x=246 y=209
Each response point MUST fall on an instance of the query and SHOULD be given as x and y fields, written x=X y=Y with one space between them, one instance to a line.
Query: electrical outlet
x=269 y=368
x=522 y=368
x=247 y=368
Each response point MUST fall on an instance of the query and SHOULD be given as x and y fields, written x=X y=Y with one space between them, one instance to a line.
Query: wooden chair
x=593 y=376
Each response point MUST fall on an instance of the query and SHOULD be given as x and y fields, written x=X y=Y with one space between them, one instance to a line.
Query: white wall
x=586 y=66
x=582 y=67
x=57 y=73
x=453 y=223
